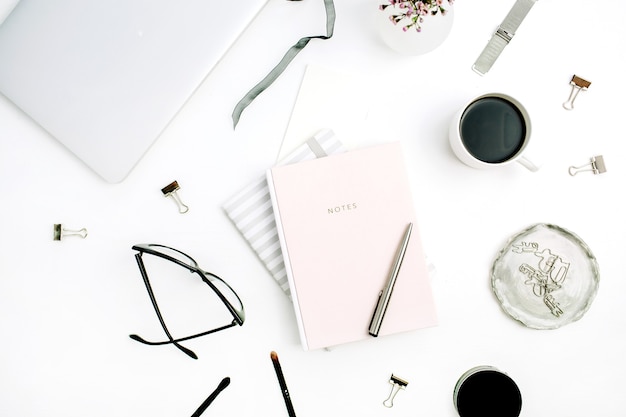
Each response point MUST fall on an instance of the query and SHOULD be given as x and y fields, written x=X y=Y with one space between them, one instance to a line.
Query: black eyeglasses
x=169 y=263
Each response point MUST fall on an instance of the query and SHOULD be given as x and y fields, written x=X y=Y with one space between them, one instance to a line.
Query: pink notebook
x=340 y=220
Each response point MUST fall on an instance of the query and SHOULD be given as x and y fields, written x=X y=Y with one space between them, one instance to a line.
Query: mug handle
x=528 y=164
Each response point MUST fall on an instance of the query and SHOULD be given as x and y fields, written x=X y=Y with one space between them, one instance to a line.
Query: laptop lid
x=105 y=77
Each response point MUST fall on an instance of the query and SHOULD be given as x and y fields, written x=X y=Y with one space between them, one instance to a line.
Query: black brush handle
x=225 y=382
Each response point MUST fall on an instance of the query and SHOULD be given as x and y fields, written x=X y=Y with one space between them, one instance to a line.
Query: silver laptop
x=105 y=77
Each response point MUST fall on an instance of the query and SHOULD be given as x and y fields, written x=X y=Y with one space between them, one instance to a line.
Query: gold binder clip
x=397 y=384
x=596 y=165
x=171 y=191
x=60 y=232
x=578 y=84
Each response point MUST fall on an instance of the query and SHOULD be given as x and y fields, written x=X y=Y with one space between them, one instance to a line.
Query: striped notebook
x=251 y=208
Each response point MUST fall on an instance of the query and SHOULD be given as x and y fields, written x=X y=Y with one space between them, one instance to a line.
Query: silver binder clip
x=60 y=232
x=578 y=84
x=596 y=165
x=397 y=384
x=171 y=191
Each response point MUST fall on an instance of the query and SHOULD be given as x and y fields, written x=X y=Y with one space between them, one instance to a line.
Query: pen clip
x=371 y=332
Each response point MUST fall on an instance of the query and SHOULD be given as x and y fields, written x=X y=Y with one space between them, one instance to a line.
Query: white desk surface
x=66 y=308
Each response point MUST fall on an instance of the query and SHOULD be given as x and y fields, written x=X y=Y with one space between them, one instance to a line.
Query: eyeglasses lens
x=188 y=305
x=228 y=293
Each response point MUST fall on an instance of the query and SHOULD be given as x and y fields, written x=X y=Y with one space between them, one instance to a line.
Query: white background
x=66 y=308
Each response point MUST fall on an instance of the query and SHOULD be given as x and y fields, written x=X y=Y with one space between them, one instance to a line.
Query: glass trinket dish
x=545 y=277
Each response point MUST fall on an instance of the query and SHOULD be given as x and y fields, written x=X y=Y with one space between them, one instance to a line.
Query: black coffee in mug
x=484 y=391
x=492 y=129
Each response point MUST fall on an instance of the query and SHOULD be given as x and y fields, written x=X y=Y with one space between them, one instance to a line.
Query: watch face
x=545 y=277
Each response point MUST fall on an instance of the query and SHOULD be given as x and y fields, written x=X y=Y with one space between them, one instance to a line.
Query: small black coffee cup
x=484 y=391
x=491 y=130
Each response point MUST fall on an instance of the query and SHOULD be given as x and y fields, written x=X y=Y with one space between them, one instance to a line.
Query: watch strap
x=502 y=36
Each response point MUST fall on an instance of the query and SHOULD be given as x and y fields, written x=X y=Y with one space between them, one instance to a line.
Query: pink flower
x=415 y=11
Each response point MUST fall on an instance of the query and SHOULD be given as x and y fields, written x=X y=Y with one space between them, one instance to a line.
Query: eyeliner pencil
x=225 y=382
x=283 y=384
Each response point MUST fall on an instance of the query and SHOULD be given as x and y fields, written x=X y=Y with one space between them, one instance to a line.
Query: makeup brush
x=225 y=382
x=283 y=384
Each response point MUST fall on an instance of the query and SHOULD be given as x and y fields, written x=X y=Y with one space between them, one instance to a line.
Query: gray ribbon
x=282 y=65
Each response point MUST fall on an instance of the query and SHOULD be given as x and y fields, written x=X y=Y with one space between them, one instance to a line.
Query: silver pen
x=385 y=294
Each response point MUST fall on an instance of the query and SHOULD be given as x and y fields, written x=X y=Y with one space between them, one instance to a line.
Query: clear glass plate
x=545 y=277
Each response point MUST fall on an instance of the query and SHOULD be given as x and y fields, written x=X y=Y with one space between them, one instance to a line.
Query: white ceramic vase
x=434 y=31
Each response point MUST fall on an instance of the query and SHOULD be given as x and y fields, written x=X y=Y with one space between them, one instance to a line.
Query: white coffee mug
x=492 y=130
